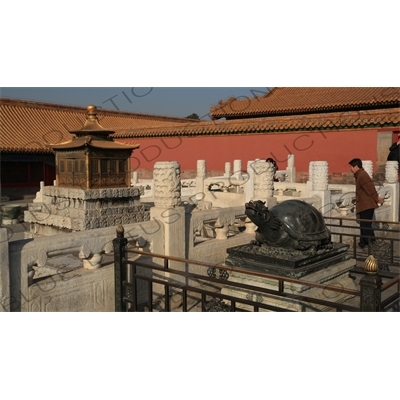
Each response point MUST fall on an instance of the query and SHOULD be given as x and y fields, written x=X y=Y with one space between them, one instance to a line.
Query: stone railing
x=236 y=187
x=74 y=271
x=69 y=268
x=35 y=277
x=211 y=232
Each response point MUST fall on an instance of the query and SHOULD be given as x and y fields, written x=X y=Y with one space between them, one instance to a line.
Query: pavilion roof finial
x=92 y=125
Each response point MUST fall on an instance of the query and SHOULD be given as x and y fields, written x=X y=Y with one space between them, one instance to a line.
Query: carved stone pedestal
x=335 y=275
x=73 y=210
x=328 y=266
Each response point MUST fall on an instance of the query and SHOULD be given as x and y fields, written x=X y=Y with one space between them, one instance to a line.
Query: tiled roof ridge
x=270 y=92
x=318 y=121
x=223 y=103
x=368 y=119
x=5 y=101
x=286 y=101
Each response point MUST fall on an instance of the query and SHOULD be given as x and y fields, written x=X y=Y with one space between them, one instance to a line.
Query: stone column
x=200 y=176
x=309 y=180
x=264 y=182
x=249 y=188
x=319 y=185
x=227 y=173
x=310 y=170
x=237 y=169
x=368 y=167
x=320 y=175
x=134 y=179
x=249 y=185
x=391 y=171
x=290 y=161
x=392 y=180
x=167 y=184
x=291 y=169
x=169 y=215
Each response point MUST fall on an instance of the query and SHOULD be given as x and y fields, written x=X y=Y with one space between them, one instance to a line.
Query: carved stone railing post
x=167 y=184
x=310 y=170
x=392 y=184
x=200 y=176
x=263 y=180
x=169 y=213
x=319 y=175
x=237 y=169
x=119 y=243
x=264 y=183
x=370 y=286
x=391 y=171
x=368 y=167
x=317 y=185
x=227 y=173
x=134 y=178
x=249 y=185
x=291 y=168
x=309 y=180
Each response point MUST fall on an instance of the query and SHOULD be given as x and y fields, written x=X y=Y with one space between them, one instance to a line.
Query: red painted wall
x=336 y=147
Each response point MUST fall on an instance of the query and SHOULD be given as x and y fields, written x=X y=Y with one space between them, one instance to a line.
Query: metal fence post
x=120 y=269
x=371 y=285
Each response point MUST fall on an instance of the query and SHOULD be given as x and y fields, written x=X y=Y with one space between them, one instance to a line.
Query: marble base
x=73 y=210
x=284 y=262
x=335 y=275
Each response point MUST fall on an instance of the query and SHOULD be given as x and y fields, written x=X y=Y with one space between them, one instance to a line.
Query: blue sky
x=178 y=101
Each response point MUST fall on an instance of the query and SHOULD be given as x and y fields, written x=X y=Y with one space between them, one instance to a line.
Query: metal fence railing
x=386 y=247
x=150 y=283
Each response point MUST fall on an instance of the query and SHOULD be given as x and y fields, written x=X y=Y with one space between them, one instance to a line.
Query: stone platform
x=329 y=266
x=285 y=262
x=72 y=210
x=335 y=275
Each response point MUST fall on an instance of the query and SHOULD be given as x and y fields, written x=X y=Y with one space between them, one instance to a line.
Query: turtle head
x=261 y=216
x=257 y=211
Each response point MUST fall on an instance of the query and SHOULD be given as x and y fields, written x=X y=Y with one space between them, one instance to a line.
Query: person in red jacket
x=367 y=199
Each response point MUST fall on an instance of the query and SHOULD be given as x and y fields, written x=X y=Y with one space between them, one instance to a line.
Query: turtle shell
x=301 y=220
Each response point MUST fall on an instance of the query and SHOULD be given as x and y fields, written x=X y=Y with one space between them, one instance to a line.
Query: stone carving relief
x=167 y=184
x=319 y=175
x=263 y=179
x=368 y=167
x=391 y=171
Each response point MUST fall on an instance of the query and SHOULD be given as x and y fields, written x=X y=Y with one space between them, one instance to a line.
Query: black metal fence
x=149 y=283
x=387 y=234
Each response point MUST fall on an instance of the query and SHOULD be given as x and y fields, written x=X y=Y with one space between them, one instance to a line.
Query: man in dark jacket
x=394 y=149
x=367 y=200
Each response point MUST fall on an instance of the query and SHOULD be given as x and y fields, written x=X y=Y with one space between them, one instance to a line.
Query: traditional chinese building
x=92 y=184
x=30 y=129
x=313 y=124
x=91 y=159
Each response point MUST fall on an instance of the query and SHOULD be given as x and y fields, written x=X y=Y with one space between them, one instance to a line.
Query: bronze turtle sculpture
x=292 y=224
